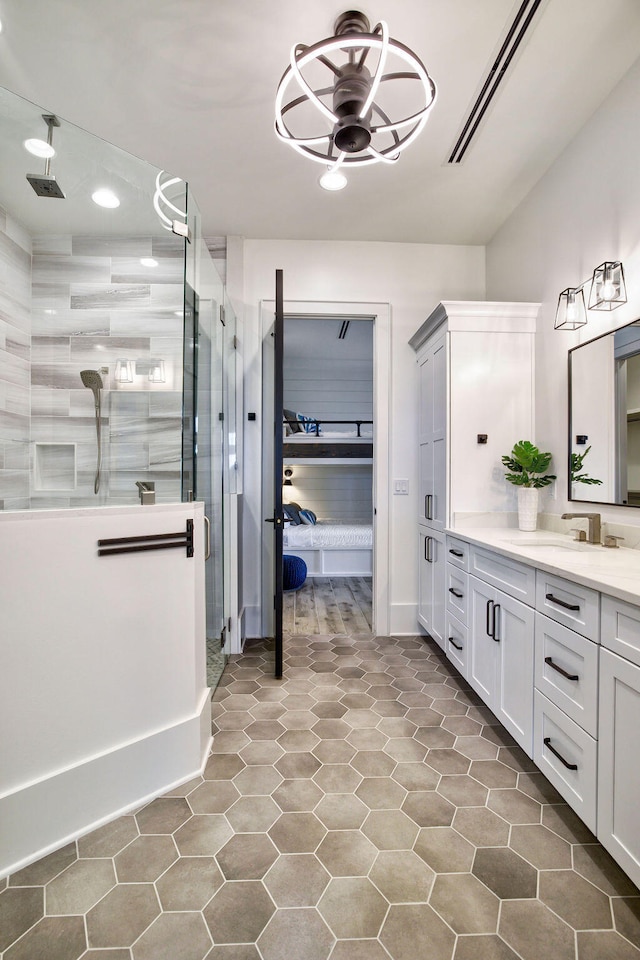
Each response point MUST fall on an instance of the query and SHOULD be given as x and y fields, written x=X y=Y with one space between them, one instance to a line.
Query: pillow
x=309 y=424
x=307 y=516
x=291 y=421
x=292 y=513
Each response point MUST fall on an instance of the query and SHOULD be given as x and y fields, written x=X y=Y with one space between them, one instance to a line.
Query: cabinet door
x=432 y=504
x=432 y=566
x=513 y=704
x=618 y=769
x=439 y=436
x=483 y=649
x=425 y=578
x=438 y=554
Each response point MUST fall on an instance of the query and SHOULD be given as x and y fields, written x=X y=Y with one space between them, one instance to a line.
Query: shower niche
x=54 y=467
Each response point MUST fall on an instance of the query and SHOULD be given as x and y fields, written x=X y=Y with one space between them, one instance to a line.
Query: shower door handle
x=207 y=547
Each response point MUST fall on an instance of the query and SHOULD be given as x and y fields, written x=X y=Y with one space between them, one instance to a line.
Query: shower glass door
x=204 y=429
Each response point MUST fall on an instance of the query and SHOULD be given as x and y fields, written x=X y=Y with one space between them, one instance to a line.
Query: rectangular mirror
x=604 y=418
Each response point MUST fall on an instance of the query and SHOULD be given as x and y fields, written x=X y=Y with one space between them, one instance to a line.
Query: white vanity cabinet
x=565 y=723
x=619 y=728
x=501 y=641
x=456 y=640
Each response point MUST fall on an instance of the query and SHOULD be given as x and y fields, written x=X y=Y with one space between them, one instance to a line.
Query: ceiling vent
x=512 y=42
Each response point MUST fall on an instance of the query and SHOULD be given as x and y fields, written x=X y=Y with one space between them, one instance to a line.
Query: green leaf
x=524 y=462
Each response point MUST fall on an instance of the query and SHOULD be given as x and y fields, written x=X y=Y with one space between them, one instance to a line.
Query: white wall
x=412 y=278
x=585 y=210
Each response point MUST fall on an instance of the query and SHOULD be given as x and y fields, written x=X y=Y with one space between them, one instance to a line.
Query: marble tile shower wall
x=15 y=329
x=92 y=303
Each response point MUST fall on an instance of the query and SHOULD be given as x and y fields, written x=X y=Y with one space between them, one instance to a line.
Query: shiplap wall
x=333 y=491
x=329 y=378
x=324 y=387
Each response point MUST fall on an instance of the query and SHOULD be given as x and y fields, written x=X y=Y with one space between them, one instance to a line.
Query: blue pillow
x=291 y=512
x=307 y=516
x=309 y=424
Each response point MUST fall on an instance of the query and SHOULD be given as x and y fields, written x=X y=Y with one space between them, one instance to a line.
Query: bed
x=332 y=548
x=311 y=439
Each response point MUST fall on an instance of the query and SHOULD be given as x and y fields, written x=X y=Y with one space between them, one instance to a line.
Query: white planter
x=527 y=508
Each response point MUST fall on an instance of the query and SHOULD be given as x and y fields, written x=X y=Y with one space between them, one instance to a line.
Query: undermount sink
x=551 y=544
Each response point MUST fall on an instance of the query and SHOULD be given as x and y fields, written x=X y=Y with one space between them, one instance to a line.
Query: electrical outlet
x=400 y=487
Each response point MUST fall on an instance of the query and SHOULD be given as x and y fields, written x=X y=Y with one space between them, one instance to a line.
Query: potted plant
x=526 y=466
x=577 y=465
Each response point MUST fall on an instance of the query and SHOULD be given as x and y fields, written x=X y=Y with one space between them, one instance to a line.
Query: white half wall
x=103 y=696
x=412 y=278
x=585 y=210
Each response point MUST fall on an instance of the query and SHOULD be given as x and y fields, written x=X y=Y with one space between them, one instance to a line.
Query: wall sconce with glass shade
x=156 y=371
x=570 y=312
x=608 y=291
x=124 y=371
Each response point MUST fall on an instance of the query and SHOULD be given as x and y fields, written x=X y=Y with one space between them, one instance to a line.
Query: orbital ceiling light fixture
x=345 y=114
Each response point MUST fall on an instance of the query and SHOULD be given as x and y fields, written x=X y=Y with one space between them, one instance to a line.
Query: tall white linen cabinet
x=476 y=362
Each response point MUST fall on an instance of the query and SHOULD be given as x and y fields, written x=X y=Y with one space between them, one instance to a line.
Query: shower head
x=92 y=380
x=45 y=184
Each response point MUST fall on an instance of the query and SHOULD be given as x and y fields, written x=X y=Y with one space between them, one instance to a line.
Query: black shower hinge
x=222 y=316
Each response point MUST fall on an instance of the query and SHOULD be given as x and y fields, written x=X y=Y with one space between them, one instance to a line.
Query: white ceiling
x=189 y=85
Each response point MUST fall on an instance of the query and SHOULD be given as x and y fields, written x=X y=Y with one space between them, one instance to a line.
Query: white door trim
x=380 y=313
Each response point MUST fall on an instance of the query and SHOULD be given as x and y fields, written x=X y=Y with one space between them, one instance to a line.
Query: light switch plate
x=400 y=487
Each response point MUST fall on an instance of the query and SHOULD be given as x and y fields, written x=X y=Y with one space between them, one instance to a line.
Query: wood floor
x=329 y=605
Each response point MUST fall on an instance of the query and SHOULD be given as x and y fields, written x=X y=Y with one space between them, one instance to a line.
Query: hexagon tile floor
x=367 y=807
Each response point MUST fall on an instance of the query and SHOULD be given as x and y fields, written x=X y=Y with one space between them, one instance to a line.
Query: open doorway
x=380 y=316
x=328 y=470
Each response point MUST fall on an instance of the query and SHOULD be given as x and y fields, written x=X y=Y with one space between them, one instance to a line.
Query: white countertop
x=614 y=571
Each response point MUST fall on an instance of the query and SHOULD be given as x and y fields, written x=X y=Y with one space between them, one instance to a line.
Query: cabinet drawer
x=516 y=579
x=572 y=768
x=458 y=552
x=566 y=671
x=620 y=628
x=456 y=638
x=569 y=603
x=458 y=593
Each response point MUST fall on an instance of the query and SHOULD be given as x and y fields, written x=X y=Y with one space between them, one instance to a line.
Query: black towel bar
x=152 y=541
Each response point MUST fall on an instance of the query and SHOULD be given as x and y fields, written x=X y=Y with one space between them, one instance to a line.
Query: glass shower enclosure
x=112 y=380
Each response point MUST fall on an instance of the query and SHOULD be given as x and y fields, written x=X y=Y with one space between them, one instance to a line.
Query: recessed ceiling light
x=39 y=148
x=148 y=262
x=105 y=198
x=333 y=180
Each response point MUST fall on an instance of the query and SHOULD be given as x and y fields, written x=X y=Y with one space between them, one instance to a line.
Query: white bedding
x=327 y=534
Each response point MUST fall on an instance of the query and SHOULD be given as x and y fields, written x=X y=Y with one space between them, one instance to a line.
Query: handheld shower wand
x=93 y=380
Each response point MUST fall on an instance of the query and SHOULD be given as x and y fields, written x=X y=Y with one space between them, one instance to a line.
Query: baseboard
x=404 y=620
x=43 y=816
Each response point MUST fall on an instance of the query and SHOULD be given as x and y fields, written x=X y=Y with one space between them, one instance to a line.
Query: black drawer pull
x=488 y=619
x=451 y=640
x=569 y=766
x=562 y=603
x=456 y=593
x=569 y=676
x=494 y=628
x=456 y=553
